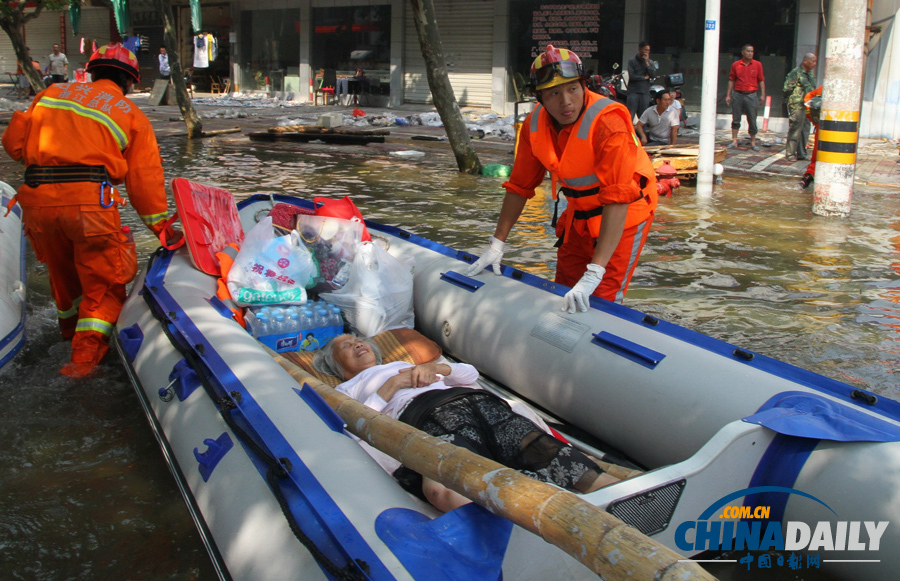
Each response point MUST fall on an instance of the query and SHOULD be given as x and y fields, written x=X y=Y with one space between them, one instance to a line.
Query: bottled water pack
x=295 y=327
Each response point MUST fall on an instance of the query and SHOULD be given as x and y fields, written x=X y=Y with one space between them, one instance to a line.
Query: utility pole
x=708 y=98
x=839 y=119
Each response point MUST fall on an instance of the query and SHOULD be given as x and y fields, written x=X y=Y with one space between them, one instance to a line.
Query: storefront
x=270 y=49
x=347 y=38
x=55 y=27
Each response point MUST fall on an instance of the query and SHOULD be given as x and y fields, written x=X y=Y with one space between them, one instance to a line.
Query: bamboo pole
x=597 y=539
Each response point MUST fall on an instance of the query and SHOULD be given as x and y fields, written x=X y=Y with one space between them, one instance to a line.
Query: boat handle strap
x=462 y=281
x=628 y=349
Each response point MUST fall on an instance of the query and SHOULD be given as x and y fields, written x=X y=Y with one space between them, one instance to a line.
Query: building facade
x=488 y=45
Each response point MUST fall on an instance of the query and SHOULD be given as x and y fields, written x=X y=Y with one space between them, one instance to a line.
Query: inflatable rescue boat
x=740 y=454
x=12 y=278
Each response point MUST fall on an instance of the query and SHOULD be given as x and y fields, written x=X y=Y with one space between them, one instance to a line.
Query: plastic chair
x=326 y=86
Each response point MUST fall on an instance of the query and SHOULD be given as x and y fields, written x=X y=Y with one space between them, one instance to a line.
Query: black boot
x=807 y=179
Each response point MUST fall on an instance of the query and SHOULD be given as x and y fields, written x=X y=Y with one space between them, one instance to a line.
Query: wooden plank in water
x=215 y=132
x=315 y=129
x=334 y=138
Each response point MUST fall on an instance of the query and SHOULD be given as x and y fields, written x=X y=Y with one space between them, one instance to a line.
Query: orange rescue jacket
x=226 y=258
x=575 y=170
x=90 y=124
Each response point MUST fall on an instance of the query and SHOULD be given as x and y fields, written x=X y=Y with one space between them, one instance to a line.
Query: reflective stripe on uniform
x=231 y=251
x=585 y=130
x=535 y=114
x=117 y=132
x=71 y=312
x=581 y=182
x=632 y=260
x=151 y=219
x=98 y=325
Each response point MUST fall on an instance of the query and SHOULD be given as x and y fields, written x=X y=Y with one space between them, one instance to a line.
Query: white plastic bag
x=378 y=295
x=332 y=243
x=269 y=269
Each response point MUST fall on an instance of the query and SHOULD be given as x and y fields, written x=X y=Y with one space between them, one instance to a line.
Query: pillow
x=396 y=345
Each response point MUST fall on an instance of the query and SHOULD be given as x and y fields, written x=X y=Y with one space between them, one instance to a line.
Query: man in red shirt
x=746 y=90
x=588 y=145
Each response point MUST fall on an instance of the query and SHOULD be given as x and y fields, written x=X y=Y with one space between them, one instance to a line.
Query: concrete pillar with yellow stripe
x=839 y=119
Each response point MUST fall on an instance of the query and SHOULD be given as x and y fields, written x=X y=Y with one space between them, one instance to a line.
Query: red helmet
x=555 y=66
x=115 y=55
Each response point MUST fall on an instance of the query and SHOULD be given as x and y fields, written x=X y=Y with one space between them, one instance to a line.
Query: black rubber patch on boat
x=651 y=510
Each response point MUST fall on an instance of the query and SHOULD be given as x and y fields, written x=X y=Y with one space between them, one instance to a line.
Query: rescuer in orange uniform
x=588 y=145
x=78 y=140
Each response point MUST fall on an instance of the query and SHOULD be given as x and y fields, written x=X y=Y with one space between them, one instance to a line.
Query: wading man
x=69 y=205
x=587 y=143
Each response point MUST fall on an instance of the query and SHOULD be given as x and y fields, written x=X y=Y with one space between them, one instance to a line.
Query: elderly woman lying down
x=442 y=399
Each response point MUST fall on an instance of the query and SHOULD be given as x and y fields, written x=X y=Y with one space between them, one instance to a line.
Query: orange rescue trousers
x=89 y=261
x=577 y=251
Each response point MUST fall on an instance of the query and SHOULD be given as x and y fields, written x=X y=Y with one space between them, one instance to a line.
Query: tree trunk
x=441 y=91
x=191 y=119
x=12 y=22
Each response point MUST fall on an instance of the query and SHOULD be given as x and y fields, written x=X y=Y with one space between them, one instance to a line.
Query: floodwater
x=84 y=491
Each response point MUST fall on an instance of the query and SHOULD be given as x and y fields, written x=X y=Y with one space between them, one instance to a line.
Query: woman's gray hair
x=324 y=362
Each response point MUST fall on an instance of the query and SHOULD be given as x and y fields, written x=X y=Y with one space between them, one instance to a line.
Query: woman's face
x=352 y=354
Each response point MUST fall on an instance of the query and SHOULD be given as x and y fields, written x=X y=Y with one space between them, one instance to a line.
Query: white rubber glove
x=491 y=257
x=580 y=294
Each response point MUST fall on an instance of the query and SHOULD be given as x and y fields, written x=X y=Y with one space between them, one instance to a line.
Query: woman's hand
x=425 y=374
x=410 y=377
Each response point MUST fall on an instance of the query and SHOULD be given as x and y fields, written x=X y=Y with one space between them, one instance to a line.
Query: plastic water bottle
x=262 y=329
x=320 y=319
x=278 y=324
x=336 y=319
x=287 y=318
x=306 y=320
x=294 y=324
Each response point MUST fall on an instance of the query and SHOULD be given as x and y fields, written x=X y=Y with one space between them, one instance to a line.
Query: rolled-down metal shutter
x=42 y=32
x=467 y=33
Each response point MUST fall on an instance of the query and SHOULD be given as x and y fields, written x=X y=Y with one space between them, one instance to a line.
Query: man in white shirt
x=660 y=122
x=59 y=66
x=164 y=70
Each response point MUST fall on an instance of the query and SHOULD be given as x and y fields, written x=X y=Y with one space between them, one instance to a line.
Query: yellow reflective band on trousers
x=838 y=136
x=98 y=325
x=102 y=118
x=152 y=219
x=71 y=312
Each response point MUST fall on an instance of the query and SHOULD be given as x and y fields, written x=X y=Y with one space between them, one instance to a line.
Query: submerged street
x=85 y=490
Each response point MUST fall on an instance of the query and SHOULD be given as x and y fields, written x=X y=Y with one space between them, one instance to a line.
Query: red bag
x=345 y=209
